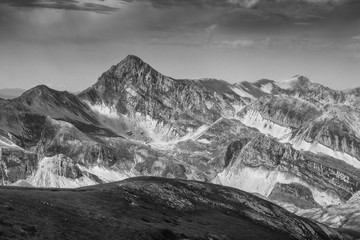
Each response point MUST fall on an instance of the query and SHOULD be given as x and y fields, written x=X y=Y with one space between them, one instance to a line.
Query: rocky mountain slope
x=293 y=141
x=133 y=98
x=150 y=208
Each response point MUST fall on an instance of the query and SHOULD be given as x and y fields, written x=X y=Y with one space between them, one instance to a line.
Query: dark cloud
x=278 y=10
x=309 y=10
x=61 y=4
x=348 y=11
x=281 y=37
x=296 y=9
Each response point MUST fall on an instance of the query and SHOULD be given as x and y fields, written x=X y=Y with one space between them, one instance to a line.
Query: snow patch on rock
x=106 y=174
x=103 y=110
x=263 y=181
x=205 y=141
x=5 y=143
x=253 y=118
x=287 y=83
x=241 y=92
x=266 y=87
x=238 y=108
x=316 y=147
x=156 y=130
x=147 y=127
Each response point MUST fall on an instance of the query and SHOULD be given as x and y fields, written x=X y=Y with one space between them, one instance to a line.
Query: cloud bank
x=291 y=9
x=83 y=5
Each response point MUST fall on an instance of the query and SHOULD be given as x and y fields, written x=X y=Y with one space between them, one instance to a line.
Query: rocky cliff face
x=131 y=95
x=338 y=129
x=283 y=110
x=16 y=164
x=263 y=162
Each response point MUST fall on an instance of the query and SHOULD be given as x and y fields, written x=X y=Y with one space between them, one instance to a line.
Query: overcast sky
x=67 y=44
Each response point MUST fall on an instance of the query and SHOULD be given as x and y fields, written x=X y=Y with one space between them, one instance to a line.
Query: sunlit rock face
x=262 y=163
x=338 y=129
x=301 y=87
x=294 y=141
x=132 y=95
x=283 y=110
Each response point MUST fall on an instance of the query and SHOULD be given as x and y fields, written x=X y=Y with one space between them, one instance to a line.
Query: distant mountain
x=293 y=141
x=10 y=93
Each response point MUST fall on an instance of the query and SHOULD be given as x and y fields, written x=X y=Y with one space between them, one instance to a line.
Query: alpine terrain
x=293 y=142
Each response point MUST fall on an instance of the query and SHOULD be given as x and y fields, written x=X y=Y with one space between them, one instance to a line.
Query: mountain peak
x=129 y=65
x=131 y=70
x=37 y=90
x=301 y=78
x=132 y=61
x=43 y=89
x=42 y=92
x=293 y=83
x=132 y=58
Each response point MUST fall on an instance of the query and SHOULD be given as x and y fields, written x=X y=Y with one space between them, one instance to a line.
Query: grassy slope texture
x=149 y=208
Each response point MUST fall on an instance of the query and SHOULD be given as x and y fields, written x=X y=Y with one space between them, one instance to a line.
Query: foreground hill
x=149 y=208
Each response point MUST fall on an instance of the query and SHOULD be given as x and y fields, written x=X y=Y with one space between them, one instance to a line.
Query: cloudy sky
x=67 y=44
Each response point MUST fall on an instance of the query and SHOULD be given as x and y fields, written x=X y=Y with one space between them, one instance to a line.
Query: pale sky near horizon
x=67 y=44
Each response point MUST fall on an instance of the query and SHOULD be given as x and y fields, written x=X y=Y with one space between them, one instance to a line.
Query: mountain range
x=294 y=142
x=10 y=93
